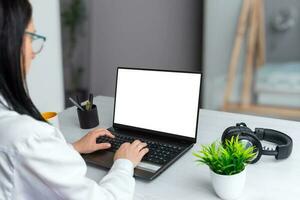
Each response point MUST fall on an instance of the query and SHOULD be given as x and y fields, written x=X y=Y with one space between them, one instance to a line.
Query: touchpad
x=148 y=166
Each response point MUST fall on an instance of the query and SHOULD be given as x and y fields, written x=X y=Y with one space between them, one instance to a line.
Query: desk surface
x=267 y=179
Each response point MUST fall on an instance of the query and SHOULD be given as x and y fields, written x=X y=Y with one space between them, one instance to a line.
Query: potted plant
x=227 y=163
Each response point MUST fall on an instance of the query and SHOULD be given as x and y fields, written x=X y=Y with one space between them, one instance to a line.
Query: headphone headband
x=284 y=142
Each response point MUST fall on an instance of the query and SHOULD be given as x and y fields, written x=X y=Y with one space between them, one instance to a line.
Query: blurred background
x=256 y=71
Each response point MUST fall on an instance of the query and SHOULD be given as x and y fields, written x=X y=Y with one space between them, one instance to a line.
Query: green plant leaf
x=228 y=158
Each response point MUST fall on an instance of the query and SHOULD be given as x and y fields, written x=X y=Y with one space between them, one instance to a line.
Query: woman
x=35 y=160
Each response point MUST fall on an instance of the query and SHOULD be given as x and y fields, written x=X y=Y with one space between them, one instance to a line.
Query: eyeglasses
x=37 y=42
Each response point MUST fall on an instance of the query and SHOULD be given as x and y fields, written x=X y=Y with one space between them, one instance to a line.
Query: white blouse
x=37 y=163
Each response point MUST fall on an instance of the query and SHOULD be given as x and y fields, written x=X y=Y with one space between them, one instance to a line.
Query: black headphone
x=284 y=142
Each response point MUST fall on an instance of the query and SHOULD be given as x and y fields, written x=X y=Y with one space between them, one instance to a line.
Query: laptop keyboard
x=159 y=153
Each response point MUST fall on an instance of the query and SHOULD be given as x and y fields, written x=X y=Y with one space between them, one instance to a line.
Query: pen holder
x=88 y=118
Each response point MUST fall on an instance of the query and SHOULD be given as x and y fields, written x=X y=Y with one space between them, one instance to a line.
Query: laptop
x=158 y=107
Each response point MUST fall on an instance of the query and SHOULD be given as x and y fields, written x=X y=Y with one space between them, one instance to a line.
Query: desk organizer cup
x=88 y=118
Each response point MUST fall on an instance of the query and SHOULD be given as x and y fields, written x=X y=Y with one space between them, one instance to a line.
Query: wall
x=81 y=50
x=165 y=33
x=45 y=80
x=283 y=46
x=221 y=18
x=143 y=33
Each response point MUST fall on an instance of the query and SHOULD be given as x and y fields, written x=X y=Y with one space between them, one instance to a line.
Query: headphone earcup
x=245 y=134
x=253 y=141
x=228 y=131
x=234 y=131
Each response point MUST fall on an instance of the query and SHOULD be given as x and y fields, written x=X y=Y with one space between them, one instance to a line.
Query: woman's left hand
x=87 y=144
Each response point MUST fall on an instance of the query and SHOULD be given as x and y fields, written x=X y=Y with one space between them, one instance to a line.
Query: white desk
x=268 y=179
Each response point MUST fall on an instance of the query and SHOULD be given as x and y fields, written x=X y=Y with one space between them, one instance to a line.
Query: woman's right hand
x=133 y=152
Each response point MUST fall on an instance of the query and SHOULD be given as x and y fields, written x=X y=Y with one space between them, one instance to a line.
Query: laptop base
x=144 y=170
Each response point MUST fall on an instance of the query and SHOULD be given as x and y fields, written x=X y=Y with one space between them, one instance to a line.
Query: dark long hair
x=15 y=15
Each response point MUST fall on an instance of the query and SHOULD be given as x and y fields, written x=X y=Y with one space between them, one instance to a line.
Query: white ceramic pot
x=229 y=187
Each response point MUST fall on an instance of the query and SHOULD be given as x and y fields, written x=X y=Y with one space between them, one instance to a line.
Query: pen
x=89 y=103
x=76 y=104
x=77 y=99
x=91 y=98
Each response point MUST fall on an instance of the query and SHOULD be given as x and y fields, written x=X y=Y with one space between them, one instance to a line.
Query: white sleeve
x=61 y=170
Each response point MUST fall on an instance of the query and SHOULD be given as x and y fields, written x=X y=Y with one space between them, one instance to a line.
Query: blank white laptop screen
x=158 y=100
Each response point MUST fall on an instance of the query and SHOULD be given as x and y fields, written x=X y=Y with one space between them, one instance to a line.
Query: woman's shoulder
x=16 y=128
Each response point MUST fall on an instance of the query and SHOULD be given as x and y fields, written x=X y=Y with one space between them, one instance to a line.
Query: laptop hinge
x=157 y=136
